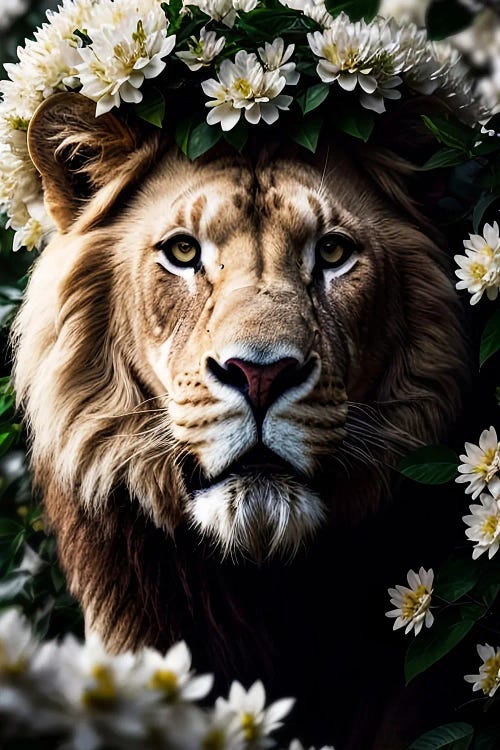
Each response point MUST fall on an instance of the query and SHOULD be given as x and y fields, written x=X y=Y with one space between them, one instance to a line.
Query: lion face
x=246 y=346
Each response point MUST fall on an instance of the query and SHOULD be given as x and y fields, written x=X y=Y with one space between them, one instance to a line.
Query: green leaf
x=201 y=139
x=58 y=579
x=446 y=17
x=8 y=437
x=265 y=24
x=152 y=107
x=457 y=577
x=313 y=97
x=455 y=135
x=450 y=627
x=183 y=133
x=445 y=157
x=358 y=123
x=480 y=209
x=308 y=131
x=355 y=9
x=487 y=738
x=448 y=737
x=9 y=528
x=238 y=136
x=7 y=397
x=433 y=464
x=490 y=340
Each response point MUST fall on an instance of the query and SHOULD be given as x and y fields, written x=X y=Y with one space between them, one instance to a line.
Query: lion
x=221 y=363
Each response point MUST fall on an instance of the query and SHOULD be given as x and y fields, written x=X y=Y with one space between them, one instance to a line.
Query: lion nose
x=261 y=384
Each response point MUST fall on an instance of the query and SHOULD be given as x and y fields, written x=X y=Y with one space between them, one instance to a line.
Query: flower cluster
x=251 y=85
x=480 y=470
x=91 y=699
x=479 y=268
x=108 y=50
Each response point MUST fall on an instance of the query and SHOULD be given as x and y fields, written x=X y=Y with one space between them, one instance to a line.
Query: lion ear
x=85 y=162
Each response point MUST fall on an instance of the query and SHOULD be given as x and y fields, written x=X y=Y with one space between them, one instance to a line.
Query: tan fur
x=111 y=349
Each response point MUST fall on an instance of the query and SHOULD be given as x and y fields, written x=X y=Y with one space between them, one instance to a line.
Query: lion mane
x=138 y=424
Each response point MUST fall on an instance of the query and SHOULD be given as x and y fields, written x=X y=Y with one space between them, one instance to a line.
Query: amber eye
x=333 y=250
x=182 y=251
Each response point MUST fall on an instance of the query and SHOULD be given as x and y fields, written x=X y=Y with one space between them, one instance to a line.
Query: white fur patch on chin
x=257 y=516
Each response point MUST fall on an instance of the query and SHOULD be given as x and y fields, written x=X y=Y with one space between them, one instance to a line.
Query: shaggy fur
x=132 y=433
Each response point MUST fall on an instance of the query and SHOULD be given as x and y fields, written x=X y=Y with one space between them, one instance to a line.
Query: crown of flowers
x=226 y=65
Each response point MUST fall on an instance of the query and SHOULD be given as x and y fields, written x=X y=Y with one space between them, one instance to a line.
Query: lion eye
x=334 y=250
x=182 y=251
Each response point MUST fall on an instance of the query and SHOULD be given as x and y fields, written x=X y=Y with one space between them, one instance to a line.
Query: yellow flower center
x=477 y=271
x=415 y=602
x=166 y=682
x=243 y=87
x=492 y=669
x=249 y=726
x=11 y=669
x=214 y=740
x=490 y=526
x=490 y=464
x=103 y=695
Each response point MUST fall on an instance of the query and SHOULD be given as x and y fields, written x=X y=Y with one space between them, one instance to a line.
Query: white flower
x=484 y=526
x=11 y=9
x=481 y=463
x=479 y=270
x=360 y=54
x=245 y=85
x=203 y=50
x=412 y=604
x=247 y=713
x=245 y=5
x=219 y=10
x=128 y=45
x=488 y=679
x=315 y=9
x=171 y=676
x=17 y=643
x=100 y=694
x=405 y=10
x=275 y=57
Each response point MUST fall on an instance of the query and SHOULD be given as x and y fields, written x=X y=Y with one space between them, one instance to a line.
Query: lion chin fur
x=134 y=440
x=257 y=515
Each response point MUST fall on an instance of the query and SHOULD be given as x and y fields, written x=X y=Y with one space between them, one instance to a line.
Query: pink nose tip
x=263 y=384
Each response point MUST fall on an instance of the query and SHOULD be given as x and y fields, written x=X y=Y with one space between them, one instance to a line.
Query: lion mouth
x=260 y=460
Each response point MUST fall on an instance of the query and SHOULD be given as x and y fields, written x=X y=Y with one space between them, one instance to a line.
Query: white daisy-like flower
x=100 y=694
x=360 y=54
x=129 y=44
x=171 y=675
x=481 y=464
x=412 y=604
x=17 y=644
x=219 y=10
x=275 y=57
x=479 y=268
x=244 y=85
x=315 y=9
x=488 y=679
x=202 y=51
x=484 y=523
x=247 y=713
